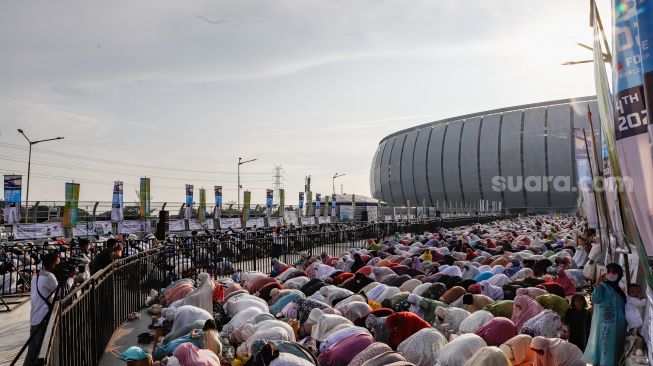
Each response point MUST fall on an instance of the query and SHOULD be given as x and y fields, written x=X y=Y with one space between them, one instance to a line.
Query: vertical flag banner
x=218 y=202
x=12 y=193
x=301 y=204
x=72 y=202
x=631 y=119
x=117 y=203
x=145 y=198
x=326 y=204
x=309 y=202
x=188 y=210
x=333 y=205
x=268 y=197
x=318 y=204
x=201 y=214
x=645 y=27
x=282 y=201
x=247 y=198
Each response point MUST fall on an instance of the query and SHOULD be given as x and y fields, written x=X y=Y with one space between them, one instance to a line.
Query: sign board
x=275 y=221
x=135 y=227
x=308 y=220
x=258 y=222
x=230 y=223
x=177 y=225
x=36 y=231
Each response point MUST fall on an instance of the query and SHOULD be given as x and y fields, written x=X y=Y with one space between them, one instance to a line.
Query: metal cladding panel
x=450 y=162
x=419 y=165
x=489 y=156
x=376 y=170
x=407 y=161
x=435 y=164
x=561 y=160
x=396 y=166
x=385 y=171
x=469 y=161
x=511 y=159
x=534 y=140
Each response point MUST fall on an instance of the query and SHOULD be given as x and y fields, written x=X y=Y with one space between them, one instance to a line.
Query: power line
x=79 y=157
x=101 y=171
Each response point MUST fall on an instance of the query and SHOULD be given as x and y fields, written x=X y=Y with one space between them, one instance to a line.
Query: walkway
x=14 y=332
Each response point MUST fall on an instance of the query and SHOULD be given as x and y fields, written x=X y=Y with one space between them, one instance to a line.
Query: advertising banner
x=208 y=225
x=38 y=231
x=84 y=229
x=291 y=217
x=631 y=119
x=275 y=221
x=268 y=197
x=12 y=193
x=230 y=223
x=247 y=200
x=387 y=218
x=308 y=221
x=194 y=225
x=72 y=202
x=318 y=204
x=201 y=214
x=135 y=227
x=324 y=220
x=334 y=203
x=258 y=222
x=103 y=227
x=144 y=196
x=301 y=200
x=372 y=214
x=188 y=209
x=177 y=225
x=217 y=211
x=117 y=203
x=420 y=212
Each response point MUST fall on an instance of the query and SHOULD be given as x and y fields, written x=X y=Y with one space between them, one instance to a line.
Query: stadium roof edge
x=492 y=111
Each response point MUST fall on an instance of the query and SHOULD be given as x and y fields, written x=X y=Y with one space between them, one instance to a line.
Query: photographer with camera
x=112 y=252
x=43 y=288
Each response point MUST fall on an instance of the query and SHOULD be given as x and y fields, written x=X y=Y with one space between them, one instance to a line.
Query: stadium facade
x=465 y=159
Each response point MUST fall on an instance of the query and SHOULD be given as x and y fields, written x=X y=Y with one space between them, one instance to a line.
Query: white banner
x=290 y=217
x=258 y=222
x=230 y=223
x=135 y=227
x=193 y=224
x=387 y=218
x=420 y=212
x=307 y=221
x=372 y=214
x=84 y=229
x=37 y=231
x=176 y=225
x=11 y=214
x=324 y=220
x=208 y=224
x=275 y=221
x=103 y=227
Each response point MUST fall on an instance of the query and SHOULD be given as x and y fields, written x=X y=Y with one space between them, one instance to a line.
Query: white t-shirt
x=47 y=284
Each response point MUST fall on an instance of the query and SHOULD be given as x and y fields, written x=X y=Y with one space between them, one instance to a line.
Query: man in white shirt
x=42 y=289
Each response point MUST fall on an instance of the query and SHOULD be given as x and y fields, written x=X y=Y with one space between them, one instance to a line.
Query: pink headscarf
x=497 y=331
x=565 y=282
x=189 y=355
x=524 y=308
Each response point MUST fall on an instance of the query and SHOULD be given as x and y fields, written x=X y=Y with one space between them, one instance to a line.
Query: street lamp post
x=240 y=162
x=29 y=166
x=333 y=181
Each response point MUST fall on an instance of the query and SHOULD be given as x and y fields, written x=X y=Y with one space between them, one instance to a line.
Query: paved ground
x=125 y=337
x=14 y=332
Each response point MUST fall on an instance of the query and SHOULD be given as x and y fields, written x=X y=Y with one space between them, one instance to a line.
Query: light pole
x=240 y=162
x=333 y=181
x=29 y=166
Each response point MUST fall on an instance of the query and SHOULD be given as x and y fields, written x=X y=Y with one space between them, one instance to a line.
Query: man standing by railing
x=43 y=288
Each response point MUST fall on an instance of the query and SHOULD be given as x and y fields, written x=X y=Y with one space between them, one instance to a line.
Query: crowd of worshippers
x=523 y=291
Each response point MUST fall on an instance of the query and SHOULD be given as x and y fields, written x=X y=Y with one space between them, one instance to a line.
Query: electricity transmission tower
x=277 y=178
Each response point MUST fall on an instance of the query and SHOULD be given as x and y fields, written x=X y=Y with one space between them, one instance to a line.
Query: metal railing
x=83 y=322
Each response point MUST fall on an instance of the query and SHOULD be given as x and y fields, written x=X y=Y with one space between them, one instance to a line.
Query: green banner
x=247 y=198
x=201 y=214
x=282 y=201
x=72 y=202
x=145 y=198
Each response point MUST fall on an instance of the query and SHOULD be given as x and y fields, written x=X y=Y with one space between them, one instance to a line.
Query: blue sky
x=312 y=85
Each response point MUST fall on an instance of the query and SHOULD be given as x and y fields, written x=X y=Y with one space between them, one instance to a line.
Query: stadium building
x=522 y=156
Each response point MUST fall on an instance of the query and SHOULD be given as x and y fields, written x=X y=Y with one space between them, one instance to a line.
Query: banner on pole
x=258 y=222
x=145 y=198
x=71 y=207
x=230 y=223
x=201 y=215
x=12 y=193
x=334 y=203
x=269 y=194
x=177 y=225
x=247 y=198
x=117 y=203
x=135 y=227
x=38 y=231
x=318 y=204
x=347 y=212
x=217 y=211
